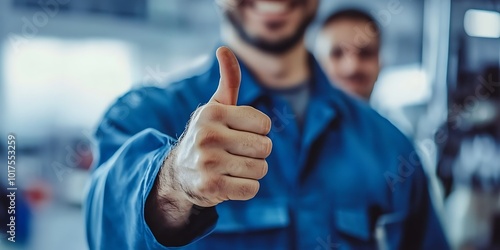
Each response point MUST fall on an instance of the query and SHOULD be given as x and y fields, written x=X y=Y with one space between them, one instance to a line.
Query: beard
x=273 y=47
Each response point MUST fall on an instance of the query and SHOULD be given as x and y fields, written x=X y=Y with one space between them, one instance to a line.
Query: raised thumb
x=230 y=78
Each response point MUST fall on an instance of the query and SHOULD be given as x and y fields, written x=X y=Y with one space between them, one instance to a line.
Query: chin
x=275 y=33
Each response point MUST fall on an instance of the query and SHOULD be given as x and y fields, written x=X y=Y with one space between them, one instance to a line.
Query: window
x=63 y=83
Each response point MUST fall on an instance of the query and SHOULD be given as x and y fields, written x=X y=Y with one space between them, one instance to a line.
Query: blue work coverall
x=331 y=182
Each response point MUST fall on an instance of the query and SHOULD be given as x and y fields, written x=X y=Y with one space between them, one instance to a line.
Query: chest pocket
x=354 y=229
x=252 y=216
x=392 y=228
x=254 y=224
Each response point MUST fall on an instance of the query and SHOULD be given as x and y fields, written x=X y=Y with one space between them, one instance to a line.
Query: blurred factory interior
x=63 y=62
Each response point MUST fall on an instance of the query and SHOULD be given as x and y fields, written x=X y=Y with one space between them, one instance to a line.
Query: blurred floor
x=66 y=228
x=57 y=226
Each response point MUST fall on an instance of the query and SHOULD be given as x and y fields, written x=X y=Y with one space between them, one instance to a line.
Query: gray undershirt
x=298 y=99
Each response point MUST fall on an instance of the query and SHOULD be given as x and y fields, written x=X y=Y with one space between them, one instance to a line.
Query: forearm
x=173 y=219
x=167 y=210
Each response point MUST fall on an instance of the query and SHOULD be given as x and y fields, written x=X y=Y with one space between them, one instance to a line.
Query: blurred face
x=274 y=26
x=349 y=53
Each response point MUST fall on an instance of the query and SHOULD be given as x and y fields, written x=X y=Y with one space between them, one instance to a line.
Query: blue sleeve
x=424 y=227
x=131 y=155
x=418 y=227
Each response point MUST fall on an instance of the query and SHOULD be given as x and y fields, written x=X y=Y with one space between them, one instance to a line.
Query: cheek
x=341 y=67
x=247 y=18
x=372 y=69
x=334 y=62
x=292 y=24
x=335 y=69
x=296 y=18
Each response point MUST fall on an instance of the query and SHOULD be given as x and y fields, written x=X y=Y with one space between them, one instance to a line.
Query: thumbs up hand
x=221 y=154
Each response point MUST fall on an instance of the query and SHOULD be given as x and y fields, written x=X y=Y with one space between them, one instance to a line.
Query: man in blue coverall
x=174 y=173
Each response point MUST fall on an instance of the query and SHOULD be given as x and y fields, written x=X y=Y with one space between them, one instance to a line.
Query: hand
x=221 y=155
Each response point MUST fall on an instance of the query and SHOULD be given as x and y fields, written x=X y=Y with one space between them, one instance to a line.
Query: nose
x=351 y=64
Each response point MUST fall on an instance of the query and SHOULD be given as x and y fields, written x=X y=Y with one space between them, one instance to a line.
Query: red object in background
x=38 y=194
x=86 y=161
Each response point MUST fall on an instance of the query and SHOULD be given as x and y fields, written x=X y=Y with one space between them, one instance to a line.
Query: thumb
x=230 y=78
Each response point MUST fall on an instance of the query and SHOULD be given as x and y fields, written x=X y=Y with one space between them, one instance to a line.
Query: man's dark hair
x=353 y=14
